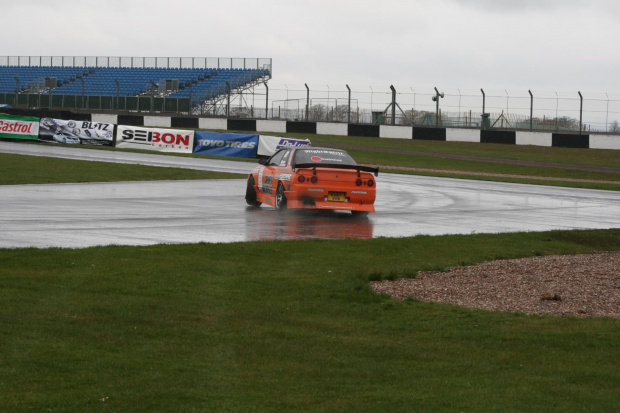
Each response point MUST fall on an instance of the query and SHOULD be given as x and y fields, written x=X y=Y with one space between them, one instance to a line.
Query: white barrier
x=213 y=123
x=534 y=138
x=270 y=126
x=462 y=135
x=327 y=128
x=395 y=132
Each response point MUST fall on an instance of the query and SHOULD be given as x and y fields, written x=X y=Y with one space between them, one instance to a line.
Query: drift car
x=312 y=178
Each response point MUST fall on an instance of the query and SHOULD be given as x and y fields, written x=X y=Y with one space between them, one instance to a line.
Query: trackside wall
x=548 y=139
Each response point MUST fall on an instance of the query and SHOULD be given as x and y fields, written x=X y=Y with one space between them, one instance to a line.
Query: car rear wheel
x=250 y=193
x=280 y=198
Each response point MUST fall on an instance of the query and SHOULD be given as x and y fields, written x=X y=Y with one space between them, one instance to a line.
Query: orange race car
x=313 y=178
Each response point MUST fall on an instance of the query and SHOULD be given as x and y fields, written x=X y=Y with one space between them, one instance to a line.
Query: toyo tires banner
x=268 y=145
x=226 y=144
x=155 y=139
x=19 y=127
x=76 y=132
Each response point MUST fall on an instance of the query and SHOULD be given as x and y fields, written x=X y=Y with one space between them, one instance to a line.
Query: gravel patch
x=586 y=285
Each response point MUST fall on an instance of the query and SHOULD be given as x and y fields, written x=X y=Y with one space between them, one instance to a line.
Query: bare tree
x=614 y=127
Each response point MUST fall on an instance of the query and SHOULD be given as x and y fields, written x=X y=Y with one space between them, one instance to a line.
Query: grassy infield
x=293 y=326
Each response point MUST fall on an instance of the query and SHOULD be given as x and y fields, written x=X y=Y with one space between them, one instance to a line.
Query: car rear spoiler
x=357 y=168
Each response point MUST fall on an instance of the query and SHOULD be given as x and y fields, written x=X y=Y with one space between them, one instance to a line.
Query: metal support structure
x=117 y=92
x=580 y=112
x=308 y=100
x=393 y=105
x=228 y=97
x=349 y=105
x=266 y=100
x=531 y=108
x=484 y=96
x=16 y=89
x=436 y=99
x=82 y=80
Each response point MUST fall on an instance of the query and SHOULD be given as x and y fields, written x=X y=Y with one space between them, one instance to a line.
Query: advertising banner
x=241 y=145
x=155 y=139
x=268 y=145
x=19 y=127
x=76 y=132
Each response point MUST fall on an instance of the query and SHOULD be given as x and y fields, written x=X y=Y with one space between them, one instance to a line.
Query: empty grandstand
x=182 y=85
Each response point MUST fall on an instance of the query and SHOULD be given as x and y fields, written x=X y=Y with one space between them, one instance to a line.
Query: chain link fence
x=550 y=111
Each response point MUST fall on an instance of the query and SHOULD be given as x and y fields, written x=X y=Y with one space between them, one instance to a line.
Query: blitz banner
x=268 y=145
x=76 y=132
x=155 y=139
x=226 y=144
x=19 y=127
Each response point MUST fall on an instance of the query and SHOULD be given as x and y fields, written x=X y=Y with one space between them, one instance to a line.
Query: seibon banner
x=76 y=132
x=153 y=139
x=241 y=145
x=19 y=127
x=268 y=145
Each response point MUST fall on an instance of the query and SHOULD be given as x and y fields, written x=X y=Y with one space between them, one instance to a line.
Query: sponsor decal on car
x=284 y=177
x=267 y=186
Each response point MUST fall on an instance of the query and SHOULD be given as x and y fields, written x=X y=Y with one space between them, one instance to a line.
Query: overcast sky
x=545 y=45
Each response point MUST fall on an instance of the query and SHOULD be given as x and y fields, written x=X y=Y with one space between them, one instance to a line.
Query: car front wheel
x=280 y=198
x=250 y=193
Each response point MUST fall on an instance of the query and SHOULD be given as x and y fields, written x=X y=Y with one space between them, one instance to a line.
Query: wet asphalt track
x=144 y=213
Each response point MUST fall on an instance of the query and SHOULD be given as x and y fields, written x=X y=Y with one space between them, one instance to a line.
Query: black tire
x=359 y=214
x=280 y=198
x=250 y=193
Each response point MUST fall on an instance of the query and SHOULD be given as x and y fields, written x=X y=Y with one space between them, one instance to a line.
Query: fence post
x=483 y=112
x=580 y=111
x=531 y=107
x=266 y=100
x=349 y=106
x=307 y=100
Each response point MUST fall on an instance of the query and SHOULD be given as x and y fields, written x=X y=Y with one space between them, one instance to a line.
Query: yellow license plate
x=337 y=196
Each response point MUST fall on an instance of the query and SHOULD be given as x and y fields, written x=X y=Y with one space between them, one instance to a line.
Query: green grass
x=426 y=155
x=23 y=169
x=274 y=326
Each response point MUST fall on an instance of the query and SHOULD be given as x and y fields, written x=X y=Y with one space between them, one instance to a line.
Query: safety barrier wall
x=547 y=139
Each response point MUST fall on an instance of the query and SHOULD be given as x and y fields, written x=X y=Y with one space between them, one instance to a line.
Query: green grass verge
x=274 y=326
x=427 y=155
x=23 y=169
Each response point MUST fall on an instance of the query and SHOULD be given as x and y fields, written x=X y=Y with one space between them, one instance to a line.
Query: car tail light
x=301 y=179
x=359 y=182
x=314 y=179
x=370 y=183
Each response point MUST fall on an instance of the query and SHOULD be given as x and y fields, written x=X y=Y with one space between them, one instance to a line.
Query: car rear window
x=327 y=156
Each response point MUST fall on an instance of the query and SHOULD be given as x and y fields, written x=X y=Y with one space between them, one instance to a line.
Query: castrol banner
x=243 y=145
x=268 y=145
x=155 y=139
x=19 y=127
